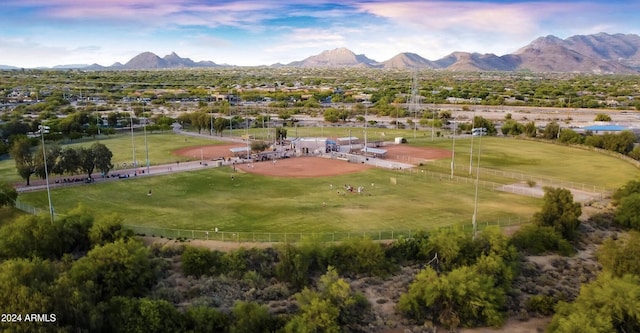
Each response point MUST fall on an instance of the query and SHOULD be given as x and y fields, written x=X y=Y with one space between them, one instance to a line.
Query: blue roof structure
x=605 y=128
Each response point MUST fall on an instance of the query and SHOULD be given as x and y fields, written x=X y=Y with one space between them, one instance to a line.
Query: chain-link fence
x=274 y=237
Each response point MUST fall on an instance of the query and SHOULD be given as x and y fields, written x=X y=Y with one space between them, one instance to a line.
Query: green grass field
x=373 y=133
x=539 y=159
x=161 y=146
x=208 y=199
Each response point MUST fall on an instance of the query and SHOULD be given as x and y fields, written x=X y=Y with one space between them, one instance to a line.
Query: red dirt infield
x=301 y=167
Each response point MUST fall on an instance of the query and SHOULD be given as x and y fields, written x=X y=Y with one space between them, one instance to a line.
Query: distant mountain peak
x=339 y=57
x=595 y=53
x=408 y=60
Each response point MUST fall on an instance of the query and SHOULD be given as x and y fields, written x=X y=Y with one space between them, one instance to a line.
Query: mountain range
x=597 y=53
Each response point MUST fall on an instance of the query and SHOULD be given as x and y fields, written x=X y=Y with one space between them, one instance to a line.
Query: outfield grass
x=529 y=157
x=209 y=199
x=161 y=146
x=373 y=133
x=540 y=159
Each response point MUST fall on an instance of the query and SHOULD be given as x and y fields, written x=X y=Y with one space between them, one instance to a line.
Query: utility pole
x=473 y=126
x=46 y=171
x=475 y=204
x=453 y=151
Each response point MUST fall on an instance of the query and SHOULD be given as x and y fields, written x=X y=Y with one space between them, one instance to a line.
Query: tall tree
x=52 y=152
x=87 y=160
x=480 y=122
x=68 y=162
x=102 y=156
x=560 y=212
x=220 y=124
x=24 y=157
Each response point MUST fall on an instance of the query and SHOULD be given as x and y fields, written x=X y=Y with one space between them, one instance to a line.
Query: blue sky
x=249 y=32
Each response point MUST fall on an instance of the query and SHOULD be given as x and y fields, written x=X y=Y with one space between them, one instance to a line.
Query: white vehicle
x=479 y=131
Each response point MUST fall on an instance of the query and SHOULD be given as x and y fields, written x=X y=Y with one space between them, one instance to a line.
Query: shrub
x=293 y=265
x=536 y=240
x=628 y=212
x=358 y=256
x=445 y=298
x=107 y=230
x=406 y=250
x=198 y=261
x=541 y=304
x=206 y=320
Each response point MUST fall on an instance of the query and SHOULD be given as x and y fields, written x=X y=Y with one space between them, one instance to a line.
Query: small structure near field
x=374 y=152
x=349 y=140
x=240 y=152
x=311 y=146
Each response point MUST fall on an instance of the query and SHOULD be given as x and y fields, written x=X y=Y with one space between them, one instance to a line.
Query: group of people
x=350 y=188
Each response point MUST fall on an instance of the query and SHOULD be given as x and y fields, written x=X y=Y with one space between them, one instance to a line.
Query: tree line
x=61 y=161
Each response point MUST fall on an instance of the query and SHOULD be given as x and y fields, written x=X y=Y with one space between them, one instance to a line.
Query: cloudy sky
x=251 y=32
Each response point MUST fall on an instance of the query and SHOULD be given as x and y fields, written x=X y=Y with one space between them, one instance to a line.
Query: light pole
x=473 y=126
x=46 y=171
x=475 y=204
x=97 y=121
x=453 y=150
x=433 y=123
x=230 y=122
x=146 y=145
x=365 y=130
x=133 y=145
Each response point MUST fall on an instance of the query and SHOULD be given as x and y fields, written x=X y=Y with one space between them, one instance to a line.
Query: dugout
x=240 y=152
x=349 y=140
x=374 y=152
